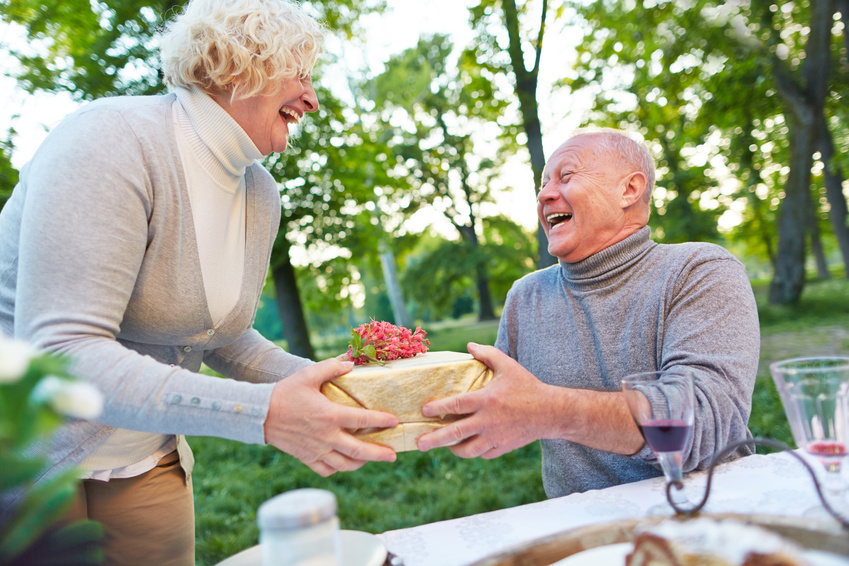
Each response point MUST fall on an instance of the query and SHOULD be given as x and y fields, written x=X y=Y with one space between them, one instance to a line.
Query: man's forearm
x=598 y=419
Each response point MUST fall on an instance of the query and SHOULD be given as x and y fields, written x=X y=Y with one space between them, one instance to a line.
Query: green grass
x=231 y=480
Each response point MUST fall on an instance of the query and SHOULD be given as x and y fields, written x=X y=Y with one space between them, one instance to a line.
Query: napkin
x=401 y=387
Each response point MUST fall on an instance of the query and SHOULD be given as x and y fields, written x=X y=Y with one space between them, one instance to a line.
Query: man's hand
x=304 y=423
x=508 y=413
x=516 y=408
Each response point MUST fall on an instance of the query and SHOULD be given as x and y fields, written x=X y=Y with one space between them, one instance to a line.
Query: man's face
x=579 y=204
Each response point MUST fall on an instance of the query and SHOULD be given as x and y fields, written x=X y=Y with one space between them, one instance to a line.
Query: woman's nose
x=310 y=98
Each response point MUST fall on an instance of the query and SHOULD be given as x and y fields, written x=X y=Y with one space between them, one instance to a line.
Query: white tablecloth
x=776 y=484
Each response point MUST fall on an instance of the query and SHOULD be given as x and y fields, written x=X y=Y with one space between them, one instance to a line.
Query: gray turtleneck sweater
x=638 y=306
x=99 y=261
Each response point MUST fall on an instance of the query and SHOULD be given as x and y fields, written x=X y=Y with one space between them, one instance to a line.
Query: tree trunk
x=789 y=279
x=485 y=309
x=805 y=103
x=816 y=240
x=526 y=91
x=485 y=297
x=289 y=302
x=834 y=192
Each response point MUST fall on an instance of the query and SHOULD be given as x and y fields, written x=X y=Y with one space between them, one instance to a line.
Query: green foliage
x=8 y=174
x=32 y=534
x=443 y=107
x=231 y=481
x=75 y=544
x=358 y=349
x=89 y=49
x=824 y=303
x=440 y=273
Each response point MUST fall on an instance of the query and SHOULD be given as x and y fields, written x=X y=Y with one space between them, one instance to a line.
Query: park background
x=410 y=196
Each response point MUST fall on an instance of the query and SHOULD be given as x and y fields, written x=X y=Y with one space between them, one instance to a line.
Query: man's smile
x=558 y=217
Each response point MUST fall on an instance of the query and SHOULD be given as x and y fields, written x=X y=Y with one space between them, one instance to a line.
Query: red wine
x=666 y=435
x=828 y=448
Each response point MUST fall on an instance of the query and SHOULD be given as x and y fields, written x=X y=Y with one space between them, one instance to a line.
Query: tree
x=443 y=115
x=442 y=272
x=654 y=86
x=510 y=58
x=753 y=79
x=804 y=94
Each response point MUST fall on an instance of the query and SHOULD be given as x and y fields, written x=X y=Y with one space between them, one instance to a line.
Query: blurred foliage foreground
x=231 y=480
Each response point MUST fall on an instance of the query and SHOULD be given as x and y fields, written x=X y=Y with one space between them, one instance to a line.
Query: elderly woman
x=137 y=243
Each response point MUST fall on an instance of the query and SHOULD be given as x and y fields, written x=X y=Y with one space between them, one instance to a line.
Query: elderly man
x=617 y=303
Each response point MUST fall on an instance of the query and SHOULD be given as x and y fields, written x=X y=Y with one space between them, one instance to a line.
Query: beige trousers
x=148 y=519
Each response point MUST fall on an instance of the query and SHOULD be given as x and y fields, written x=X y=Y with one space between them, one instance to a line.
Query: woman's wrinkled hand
x=304 y=423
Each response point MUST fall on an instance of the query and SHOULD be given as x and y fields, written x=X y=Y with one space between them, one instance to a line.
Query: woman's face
x=266 y=117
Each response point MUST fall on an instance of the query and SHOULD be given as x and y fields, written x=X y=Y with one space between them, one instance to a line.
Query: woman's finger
x=355 y=449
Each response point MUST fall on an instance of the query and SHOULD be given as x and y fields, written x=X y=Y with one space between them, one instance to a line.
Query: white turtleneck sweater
x=214 y=151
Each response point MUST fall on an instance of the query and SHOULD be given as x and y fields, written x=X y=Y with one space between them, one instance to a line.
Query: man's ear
x=634 y=187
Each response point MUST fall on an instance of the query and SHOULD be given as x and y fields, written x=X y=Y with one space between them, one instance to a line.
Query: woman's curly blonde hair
x=240 y=47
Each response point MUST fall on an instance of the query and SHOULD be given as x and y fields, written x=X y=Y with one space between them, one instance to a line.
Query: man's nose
x=547 y=192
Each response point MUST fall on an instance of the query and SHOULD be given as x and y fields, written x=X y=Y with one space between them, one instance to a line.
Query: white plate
x=358 y=549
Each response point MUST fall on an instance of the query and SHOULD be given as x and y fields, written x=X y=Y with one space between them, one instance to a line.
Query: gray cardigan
x=99 y=261
x=638 y=306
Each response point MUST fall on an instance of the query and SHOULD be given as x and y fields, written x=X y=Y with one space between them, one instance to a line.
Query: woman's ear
x=634 y=187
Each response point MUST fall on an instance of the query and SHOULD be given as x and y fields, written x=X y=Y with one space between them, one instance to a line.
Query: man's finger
x=352 y=418
x=449 y=435
x=490 y=356
x=463 y=404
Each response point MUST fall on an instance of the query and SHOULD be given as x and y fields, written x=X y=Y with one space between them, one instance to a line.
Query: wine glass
x=815 y=394
x=661 y=403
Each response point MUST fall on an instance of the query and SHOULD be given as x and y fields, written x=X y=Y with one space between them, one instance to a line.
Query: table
x=775 y=484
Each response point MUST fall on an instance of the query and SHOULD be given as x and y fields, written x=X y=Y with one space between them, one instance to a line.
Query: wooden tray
x=544 y=551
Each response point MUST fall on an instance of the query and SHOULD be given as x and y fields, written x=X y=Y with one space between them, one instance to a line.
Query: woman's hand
x=304 y=423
